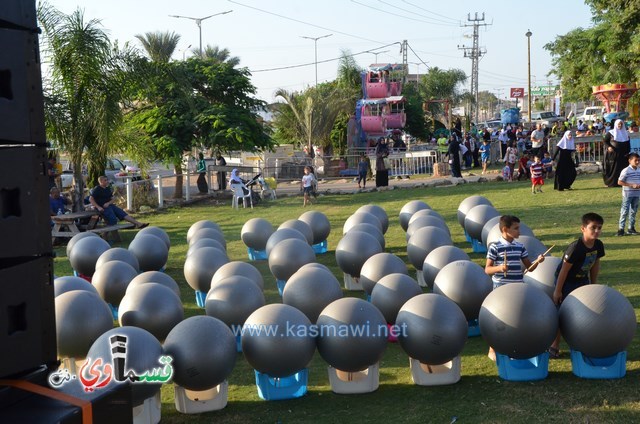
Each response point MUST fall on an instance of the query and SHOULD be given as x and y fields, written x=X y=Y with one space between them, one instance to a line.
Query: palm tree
x=218 y=54
x=439 y=84
x=160 y=46
x=83 y=92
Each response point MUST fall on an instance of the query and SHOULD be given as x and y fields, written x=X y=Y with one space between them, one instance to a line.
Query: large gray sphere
x=378 y=266
x=361 y=218
x=200 y=225
x=433 y=329
x=349 y=351
x=239 y=268
x=70 y=283
x=81 y=317
x=255 y=233
x=205 y=243
x=85 y=254
x=111 y=280
x=354 y=249
x=476 y=217
x=310 y=290
x=533 y=245
x=319 y=223
x=283 y=234
x=426 y=221
x=544 y=276
x=409 y=209
x=151 y=306
x=155 y=277
x=203 y=349
x=379 y=212
x=77 y=238
x=301 y=226
x=438 y=258
x=284 y=353
x=143 y=353
x=597 y=320
x=315 y=265
x=393 y=291
x=201 y=265
x=288 y=256
x=425 y=212
x=465 y=283
x=494 y=233
x=518 y=320
x=119 y=254
x=423 y=242
x=151 y=251
x=370 y=229
x=233 y=299
x=158 y=232
x=208 y=233
x=468 y=203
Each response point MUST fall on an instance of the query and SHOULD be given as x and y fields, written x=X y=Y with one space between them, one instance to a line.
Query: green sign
x=544 y=90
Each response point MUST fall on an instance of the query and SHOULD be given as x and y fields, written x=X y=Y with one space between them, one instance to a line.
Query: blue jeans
x=629 y=207
x=112 y=214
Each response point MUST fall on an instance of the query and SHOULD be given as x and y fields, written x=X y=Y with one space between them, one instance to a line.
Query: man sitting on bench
x=101 y=197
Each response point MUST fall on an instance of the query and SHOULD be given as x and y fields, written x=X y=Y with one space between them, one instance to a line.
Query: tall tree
x=160 y=46
x=439 y=84
x=84 y=91
x=217 y=54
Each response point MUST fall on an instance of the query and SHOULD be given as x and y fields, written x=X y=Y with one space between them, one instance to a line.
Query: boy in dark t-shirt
x=580 y=264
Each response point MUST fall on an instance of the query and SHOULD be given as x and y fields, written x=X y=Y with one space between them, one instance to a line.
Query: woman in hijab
x=382 y=173
x=566 y=168
x=453 y=153
x=615 y=158
x=235 y=178
x=201 y=169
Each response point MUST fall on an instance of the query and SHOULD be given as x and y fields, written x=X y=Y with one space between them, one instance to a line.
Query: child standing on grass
x=547 y=165
x=580 y=265
x=536 y=175
x=307 y=185
x=630 y=181
x=485 y=154
x=363 y=169
x=506 y=256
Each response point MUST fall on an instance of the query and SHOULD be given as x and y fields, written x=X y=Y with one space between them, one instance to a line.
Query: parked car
x=591 y=113
x=115 y=171
x=545 y=118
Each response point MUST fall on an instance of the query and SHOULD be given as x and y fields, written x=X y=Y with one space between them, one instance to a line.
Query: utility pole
x=405 y=63
x=315 y=43
x=474 y=53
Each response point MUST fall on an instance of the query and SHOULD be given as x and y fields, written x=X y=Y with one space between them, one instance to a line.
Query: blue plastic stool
x=290 y=387
x=467 y=236
x=474 y=328
x=368 y=297
x=600 y=368
x=280 y=284
x=114 y=311
x=478 y=247
x=239 y=343
x=320 y=248
x=531 y=369
x=201 y=298
x=256 y=255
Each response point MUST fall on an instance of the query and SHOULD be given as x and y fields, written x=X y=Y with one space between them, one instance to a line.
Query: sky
x=267 y=34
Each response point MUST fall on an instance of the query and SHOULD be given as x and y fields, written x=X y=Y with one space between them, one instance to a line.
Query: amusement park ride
x=615 y=97
x=382 y=107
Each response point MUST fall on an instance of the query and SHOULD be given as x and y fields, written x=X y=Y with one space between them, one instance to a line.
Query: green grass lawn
x=480 y=396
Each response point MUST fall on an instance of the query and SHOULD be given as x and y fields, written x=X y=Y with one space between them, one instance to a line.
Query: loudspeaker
x=27 y=317
x=18 y=14
x=25 y=223
x=21 y=101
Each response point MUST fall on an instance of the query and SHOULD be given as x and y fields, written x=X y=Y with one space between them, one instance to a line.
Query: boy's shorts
x=537 y=181
x=308 y=190
x=485 y=160
x=568 y=287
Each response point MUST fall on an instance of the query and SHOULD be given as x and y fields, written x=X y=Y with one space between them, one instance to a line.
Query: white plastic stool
x=420 y=278
x=195 y=402
x=351 y=283
x=149 y=412
x=435 y=375
x=344 y=382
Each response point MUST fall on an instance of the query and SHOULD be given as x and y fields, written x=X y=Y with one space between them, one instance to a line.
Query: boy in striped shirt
x=506 y=256
x=630 y=181
x=536 y=175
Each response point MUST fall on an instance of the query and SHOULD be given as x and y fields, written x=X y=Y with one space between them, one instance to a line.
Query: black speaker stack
x=27 y=317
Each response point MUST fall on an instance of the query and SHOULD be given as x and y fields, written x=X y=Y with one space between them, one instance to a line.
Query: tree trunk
x=177 y=194
x=78 y=201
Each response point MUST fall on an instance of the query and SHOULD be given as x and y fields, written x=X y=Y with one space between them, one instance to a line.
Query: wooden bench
x=111 y=232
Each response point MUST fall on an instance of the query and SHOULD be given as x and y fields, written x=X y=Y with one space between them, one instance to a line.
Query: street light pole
x=199 y=23
x=377 y=53
x=529 y=34
x=315 y=42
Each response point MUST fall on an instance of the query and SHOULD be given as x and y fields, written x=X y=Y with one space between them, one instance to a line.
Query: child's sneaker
x=632 y=232
x=620 y=232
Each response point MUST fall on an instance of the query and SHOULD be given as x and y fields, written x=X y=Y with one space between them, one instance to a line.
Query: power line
x=433 y=13
x=410 y=11
x=416 y=55
x=395 y=14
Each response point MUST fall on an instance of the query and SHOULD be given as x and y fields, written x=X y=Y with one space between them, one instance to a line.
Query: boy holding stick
x=506 y=256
